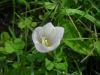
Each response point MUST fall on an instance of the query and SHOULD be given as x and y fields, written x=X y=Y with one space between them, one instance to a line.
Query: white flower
x=47 y=38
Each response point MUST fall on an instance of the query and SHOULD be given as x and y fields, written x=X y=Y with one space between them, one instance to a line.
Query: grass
x=78 y=52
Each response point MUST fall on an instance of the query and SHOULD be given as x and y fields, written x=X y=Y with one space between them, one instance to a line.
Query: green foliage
x=98 y=47
x=9 y=47
x=57 y=65
x=74 y=41
x=49 y=65
x=23 y=2
x=26 y=22
x=13 y=46
x=60 y=66
x=19 y=44
x=81 y=40
x=5 y=36
x=83 y=14
x=49 y=5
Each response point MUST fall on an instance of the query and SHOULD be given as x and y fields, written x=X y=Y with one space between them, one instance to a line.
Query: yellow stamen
x=45 y=42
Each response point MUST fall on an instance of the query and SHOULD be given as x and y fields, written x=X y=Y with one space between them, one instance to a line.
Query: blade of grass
x=82 y=14
x=75 y=28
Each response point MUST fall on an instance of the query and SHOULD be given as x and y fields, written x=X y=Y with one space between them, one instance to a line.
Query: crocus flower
x=47 y=38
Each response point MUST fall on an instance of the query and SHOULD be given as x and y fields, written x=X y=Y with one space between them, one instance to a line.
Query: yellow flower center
x=45 y=42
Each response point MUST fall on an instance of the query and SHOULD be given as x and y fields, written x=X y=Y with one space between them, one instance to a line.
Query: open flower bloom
x=47 y=38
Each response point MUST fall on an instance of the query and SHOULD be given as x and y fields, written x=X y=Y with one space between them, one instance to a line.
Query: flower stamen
x=45 y=42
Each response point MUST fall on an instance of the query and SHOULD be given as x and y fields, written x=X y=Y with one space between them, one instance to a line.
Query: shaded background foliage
x=79 y=52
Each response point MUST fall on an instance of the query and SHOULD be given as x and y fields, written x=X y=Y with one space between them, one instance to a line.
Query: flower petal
x=58 y=36
x=48 y=26
x=50 y=33
x=48 y=29
x=36 y=34
x=41 y=48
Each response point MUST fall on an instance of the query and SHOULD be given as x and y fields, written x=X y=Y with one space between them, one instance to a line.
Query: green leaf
x=71 y=39
x=58 y=57
x=1 y=49
x=15 y=65
x=82 y=13
x=49 y=5
x=23 y=2
x=5 y=36
x=61 y=66
x=33 y=24
x=26 y=22
x=19 y=44
x=21 y=24
x=98 y=47
x=67 y=3
x=40 y=56
x=13 y=46
x=82 y=47
x=49 y=65
x=9 y=48
x=29 y=57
